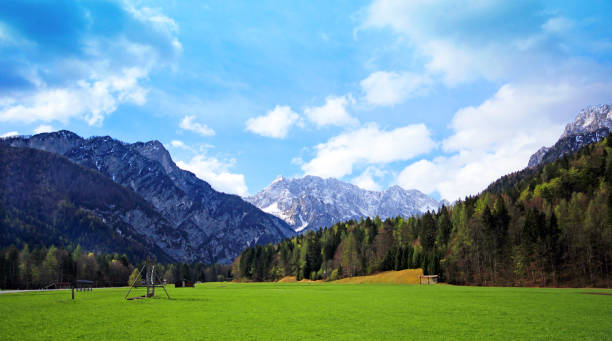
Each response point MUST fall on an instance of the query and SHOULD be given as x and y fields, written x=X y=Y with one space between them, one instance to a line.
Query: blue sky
x=441 y=96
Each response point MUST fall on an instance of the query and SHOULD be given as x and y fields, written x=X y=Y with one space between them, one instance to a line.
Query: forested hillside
x=45 y=200
x=546 y=226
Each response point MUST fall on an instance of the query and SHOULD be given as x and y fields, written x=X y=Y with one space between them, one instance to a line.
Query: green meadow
x=266 y=311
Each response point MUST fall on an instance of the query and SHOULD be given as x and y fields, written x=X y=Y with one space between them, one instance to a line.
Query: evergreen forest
x=544 y=226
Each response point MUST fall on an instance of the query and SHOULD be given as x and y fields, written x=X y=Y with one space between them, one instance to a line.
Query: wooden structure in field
x=58 y=285
x=184 y=284
x=147 y=278
x=429 y=279
x=84 y=285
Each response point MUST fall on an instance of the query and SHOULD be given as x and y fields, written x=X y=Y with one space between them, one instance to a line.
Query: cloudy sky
x=442 y=96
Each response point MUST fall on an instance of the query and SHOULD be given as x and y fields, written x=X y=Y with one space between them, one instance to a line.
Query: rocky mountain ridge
x=311 y=202
x=214 y=226
x=592 y=124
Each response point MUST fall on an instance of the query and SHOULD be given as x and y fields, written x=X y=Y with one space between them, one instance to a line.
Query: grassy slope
x=408 y=276
x=309 y=311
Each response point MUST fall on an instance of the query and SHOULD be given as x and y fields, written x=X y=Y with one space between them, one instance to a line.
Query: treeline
x=43 y=267
x=549 y=226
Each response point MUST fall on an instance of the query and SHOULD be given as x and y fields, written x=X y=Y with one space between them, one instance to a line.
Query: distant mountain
x=591 y=125
x=213 y=226
x=47 y=199
x=312 y=202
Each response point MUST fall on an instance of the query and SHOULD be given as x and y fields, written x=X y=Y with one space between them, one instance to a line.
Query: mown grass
x=311 y=311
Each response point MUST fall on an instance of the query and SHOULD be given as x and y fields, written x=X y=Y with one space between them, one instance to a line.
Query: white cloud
x=434 y=29
x=558 y=25
x=216 y=172
x=333 y=112
x=423 y=175
x=458 y=63
x=181 y=145
x=9 y=134
x=389 y=88
x=538 y=110
x=498 y=136
x=110 y=70
x=298 y=161
x=89 y=99
x=366 y=179
x=467 y=172
x=159 y=22
x=541 y=58
x=188 y=123
x=368 y=145
x=465 y=41
x=43 y=129
x=276 y=123
x=153 y=15
x=177 y=144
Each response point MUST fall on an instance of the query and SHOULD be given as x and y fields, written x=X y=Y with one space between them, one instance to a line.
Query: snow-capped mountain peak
x=590 y=119
x=591 y=125
x=278 y=178
x=312 y=202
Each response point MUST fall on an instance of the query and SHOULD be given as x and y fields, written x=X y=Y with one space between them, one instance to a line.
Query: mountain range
x=111 y=196
x=171 y=213
x=312 y=202
x=200 y=223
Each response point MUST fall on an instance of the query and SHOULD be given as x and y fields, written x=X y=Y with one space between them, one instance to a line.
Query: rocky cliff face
x=214 y=226
x=312 y=202
x=591 y=125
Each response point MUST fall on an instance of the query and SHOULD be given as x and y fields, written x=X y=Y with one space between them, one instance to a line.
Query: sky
x=441 y=96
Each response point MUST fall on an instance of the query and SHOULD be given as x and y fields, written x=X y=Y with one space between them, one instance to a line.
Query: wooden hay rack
x=428 y=279
x=150 y=281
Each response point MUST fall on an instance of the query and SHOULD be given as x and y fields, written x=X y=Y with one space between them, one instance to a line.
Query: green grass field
x=311 y=311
